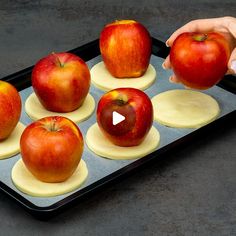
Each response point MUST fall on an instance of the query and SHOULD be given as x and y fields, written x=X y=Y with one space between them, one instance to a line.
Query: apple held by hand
x=61 y=82
x=125 y=47
x=136 y=109
x=51 y=148
x=200 y=60
x=10 y=109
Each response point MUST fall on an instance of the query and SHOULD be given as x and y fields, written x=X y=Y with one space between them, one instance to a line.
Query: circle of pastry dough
x=100 y=145
x=36 y=111
x=184 y=108
x=28 y=184
x=11 y=145
x=102 y=79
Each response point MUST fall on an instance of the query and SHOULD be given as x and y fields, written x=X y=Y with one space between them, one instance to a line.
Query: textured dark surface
x=193 y=192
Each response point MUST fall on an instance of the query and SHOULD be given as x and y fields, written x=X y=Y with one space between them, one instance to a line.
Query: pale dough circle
x=101 y=146
x=11 y=146
x=103 y=80
x=36 y=111
x=184 y=108
x=28 y=184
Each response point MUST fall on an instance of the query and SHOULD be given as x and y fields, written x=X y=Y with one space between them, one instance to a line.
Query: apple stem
x=54 y=128
x=57 y=59
x=120 y=102
x=200 y=37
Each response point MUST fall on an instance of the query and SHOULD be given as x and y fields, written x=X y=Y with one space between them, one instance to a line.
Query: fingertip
x=167 y=43
x=164 y=66
x=171 y=39
x=170 y=79
x=232 y=66
x=173 y=79
x=186 y=87
x=232 y=62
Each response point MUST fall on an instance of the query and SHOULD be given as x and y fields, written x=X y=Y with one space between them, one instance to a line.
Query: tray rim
x=87 y=52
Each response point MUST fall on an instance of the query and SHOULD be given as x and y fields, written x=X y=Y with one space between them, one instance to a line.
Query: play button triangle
x=117 y=118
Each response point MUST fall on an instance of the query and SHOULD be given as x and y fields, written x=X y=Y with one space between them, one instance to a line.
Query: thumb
x=232 y=62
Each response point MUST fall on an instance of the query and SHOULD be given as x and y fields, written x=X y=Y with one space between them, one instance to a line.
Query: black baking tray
x=22 y=80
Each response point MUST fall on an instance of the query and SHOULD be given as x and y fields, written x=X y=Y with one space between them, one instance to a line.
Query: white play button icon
x=117 y=118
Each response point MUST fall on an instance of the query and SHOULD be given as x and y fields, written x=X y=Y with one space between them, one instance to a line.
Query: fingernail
x=233 y=66
x=170 y=80
x=186 y=87
x=167 y=43
x=163 y=66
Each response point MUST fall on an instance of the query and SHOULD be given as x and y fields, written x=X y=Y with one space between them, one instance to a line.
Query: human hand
x=223 y=25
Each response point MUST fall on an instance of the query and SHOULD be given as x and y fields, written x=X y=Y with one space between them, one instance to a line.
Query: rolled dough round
x=100 y=145
x=184 y=108
x=36 y=111
x=103 y=80
x=11 y=146
x=28 y=184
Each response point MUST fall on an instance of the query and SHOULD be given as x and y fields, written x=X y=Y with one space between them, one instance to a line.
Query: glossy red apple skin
x=61 y=81
x=51 y=148
x=125 y=47
x=10 y=109
x=133 y=104
x=200 y=60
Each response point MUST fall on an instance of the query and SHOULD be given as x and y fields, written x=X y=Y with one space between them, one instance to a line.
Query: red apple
x=10 y=109
x=51 y=148
x=125 y=47
x=200 y=60
x=136 y=108
x=61 y=82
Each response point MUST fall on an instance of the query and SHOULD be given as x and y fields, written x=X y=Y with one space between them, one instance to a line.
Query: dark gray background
x=193 y=192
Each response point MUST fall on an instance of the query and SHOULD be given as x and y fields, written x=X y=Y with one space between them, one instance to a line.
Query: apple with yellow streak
x=51 y=148
x=61 y=82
